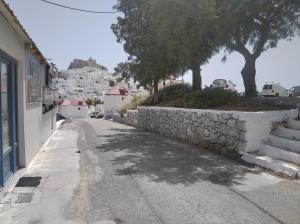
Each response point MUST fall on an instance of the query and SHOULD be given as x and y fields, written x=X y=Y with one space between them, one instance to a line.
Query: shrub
x=134 y=103
x=168 y=94
x=181 y=95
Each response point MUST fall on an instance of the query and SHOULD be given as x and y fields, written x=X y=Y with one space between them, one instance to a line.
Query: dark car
x=295 y=91
x=93 y=115
x=99 y=115
x=60 y=117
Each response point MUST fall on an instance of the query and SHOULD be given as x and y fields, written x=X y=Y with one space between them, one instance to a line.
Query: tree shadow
x=144 y=154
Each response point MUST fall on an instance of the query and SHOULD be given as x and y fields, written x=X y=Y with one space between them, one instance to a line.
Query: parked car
x=92 y=115
x=60 y=117
x=223 y=84
x=99 y=115
x=295 y=91
x=274 y=89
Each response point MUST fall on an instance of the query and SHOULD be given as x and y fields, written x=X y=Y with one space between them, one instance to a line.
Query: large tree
x=137 y=30
x=251 y=27
x=189 y=29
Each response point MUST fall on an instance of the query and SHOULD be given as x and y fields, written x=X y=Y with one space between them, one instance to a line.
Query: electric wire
x=81 y=10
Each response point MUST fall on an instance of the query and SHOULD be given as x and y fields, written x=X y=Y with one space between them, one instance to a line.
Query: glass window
x=220 y=81
x=266 y=87
x=5 y=111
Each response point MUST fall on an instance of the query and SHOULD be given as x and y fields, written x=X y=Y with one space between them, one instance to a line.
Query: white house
x=28 y=115
x=74 y=109
x=114 y=100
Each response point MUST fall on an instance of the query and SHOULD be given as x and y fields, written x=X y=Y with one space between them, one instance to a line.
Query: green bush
x=167 y=94
x=134 y=103
x=181 y=95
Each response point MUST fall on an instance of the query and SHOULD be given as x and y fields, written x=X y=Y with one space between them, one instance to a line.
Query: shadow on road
x=149 y=155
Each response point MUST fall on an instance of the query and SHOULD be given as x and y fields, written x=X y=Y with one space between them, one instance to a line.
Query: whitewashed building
x=74 y=109
x=114 y=100
x=28 y=115
x=83 y=83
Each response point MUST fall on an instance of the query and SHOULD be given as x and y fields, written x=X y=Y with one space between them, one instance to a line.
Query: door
x=8 y=128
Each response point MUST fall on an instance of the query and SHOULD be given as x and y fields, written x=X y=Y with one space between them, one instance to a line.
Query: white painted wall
x=74 y=112
x=29 y=116
x=114 y=103
x=258 y=126
x=14 y=47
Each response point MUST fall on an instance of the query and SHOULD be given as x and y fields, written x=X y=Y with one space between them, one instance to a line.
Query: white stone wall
x=219 y=131
x=228 y=131
x=131 y=118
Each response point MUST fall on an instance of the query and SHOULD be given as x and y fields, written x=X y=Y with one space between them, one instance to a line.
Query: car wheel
x=277 y=94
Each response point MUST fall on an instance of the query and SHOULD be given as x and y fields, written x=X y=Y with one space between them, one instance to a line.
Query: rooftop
x=116 y=90
x=73 y=103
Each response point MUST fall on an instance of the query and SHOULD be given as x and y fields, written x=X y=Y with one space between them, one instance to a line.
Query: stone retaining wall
x=211 y=129
x=129 y=119
x=232 y=132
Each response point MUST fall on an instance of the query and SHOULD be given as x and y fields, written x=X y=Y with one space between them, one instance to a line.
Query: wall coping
x=240 y=114
x=213 y=111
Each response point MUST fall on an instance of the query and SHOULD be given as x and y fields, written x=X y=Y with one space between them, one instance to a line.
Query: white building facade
x=74 y=109
x=114 y=100
x=27 y=121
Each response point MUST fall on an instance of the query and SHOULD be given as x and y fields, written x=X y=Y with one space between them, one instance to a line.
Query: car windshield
x=219 y=81
x=296 y=89
x=266 y=87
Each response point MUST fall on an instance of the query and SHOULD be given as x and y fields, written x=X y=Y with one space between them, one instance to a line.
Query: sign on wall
x=34 y=84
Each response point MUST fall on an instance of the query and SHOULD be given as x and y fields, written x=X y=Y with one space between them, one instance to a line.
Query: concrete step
x=284 y=143
x=276 y=165
x=281 y=154
x=288 y=133
x=294 y=124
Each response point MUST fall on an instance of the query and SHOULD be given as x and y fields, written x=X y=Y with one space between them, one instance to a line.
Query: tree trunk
x=197 y=79
x=248 y=74
x=155 y=86
x=151 y=90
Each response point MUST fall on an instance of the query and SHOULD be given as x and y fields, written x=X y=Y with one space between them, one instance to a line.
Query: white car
x=274 y=89
x=295 y=92
x=223 y=84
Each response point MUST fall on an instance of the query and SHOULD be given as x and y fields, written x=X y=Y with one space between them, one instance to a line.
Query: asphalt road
x=127 y=176
x=132 y=176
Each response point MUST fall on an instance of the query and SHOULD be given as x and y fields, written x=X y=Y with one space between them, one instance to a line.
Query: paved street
x=126 y=176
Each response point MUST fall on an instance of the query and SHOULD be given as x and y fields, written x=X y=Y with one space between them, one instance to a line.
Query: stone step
x=280 y=153
x=284 y=143
x=294 y=124
x=276 y=165
x=288 y=133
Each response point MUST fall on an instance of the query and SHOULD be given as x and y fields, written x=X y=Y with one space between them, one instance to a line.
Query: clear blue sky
x=63 y=35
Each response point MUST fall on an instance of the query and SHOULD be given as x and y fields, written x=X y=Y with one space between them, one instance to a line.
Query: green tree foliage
x=252 y=27
x=149 y=58
x=171 y=36
x=89 y=102
x=111 y=83
x=124 y=71
x=189 y=29
x=97 y=102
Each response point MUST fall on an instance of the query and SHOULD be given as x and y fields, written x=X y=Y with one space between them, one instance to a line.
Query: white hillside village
x=88 y=81
x=83 y=80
